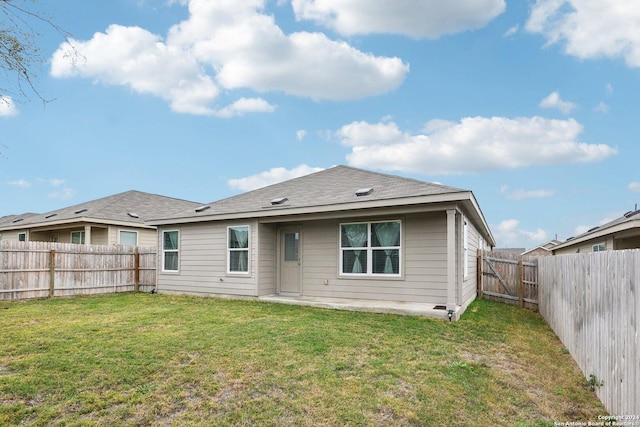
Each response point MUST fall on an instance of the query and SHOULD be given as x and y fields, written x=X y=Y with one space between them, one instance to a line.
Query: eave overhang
x=280 y=213
x=71 y=222
x=602 y=233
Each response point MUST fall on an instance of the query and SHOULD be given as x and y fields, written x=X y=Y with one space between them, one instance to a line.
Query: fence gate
x=508 y=278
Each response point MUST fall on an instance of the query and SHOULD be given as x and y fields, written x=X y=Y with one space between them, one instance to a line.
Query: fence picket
x=40 y=269
x=592 y=303
x=508 y=278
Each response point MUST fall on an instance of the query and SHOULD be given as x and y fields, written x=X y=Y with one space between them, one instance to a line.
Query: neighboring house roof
x=330 y=190
x=549 y=246
x=8 y=219
x=515 y=251
x=131 y=207
x=627 y=222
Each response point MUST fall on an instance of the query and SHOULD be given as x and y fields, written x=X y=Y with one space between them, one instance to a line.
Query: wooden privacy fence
x=509 y=278
x=44 y=269
x=592 y=303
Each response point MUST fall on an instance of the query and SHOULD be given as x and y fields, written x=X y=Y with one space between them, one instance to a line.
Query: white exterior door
x=290 y=260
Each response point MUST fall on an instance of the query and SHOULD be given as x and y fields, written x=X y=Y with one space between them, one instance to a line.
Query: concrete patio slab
x=370 y=306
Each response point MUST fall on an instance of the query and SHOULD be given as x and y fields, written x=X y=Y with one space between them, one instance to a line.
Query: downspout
x=451 y=263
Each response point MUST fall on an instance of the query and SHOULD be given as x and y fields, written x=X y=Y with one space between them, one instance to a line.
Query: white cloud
x=245 y=105
x=475 y=144
x=509 y=233
x=7 y=107
x=230 y=45
x=301 y=134
x=554 y=101
x=138 y=59
x=22 y=183
x=590 y=29
x=634 y=186
x=610 y=217
x=63 y=194
x=608 y=88
x=522 y=194
x=601 y=108
x=512 y=31
x=415 y=18
x=272 y=176
x=437 y=124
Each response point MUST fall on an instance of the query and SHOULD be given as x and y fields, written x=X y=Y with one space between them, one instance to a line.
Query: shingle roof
x=131 y=207
x=8 y=219
x=334 y=186
x=627 y=221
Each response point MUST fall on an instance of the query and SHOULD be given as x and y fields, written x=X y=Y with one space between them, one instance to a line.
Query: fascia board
x=481 y=219
x=307 y=210
x=62 y=223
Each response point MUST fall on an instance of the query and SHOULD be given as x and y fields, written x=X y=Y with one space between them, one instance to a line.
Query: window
x=600 y=247
x=22 y=237
x=128 y=238
x=370 y=248
x=291 y=246
x=77 y=237
x=170 y=250
x=238 y=249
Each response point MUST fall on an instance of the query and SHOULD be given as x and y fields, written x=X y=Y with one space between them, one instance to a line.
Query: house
x=621 y=233
x=118 y=219
x=340 y=234
x=545 y=249
x=510 y=251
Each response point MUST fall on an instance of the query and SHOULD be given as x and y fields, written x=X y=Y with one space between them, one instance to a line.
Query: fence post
x=136 y=273
x=521 y=280
x=52 y=273
x=479 y=273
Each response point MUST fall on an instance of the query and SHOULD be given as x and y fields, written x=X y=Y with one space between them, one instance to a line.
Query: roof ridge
x=388 y=175
x=333 y=168
x=244 y=193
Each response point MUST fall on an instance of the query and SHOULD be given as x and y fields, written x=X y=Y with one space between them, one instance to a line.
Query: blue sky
x=532 y=105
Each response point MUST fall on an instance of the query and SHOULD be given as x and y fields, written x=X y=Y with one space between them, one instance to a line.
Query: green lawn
x=141 y=359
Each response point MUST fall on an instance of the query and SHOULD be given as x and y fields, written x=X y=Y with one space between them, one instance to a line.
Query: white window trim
x=465 y=243
x=248 y=250
x=177 y=251
x=25 y=236
x=598 y=245
x=128 y=231
x=369 y=249
x=82 y=237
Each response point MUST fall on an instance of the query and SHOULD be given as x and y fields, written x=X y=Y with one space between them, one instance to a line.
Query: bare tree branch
x=19 y=53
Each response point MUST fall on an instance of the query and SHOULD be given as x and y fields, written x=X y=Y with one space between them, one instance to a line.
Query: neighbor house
x=621 y=233
x=118 y=219
x=545 y=249
x=340 y=233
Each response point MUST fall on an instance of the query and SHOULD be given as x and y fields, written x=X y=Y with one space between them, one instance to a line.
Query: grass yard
x=141 y=359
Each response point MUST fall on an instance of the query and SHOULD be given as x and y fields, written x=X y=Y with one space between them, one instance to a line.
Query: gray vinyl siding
x=469 y=282
x=146 y=238
x=267 y=259
x=423 y=278
x=587 y=246
x=424 y=268
x=12 y=234
x=99 y=236
x=203 y=262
